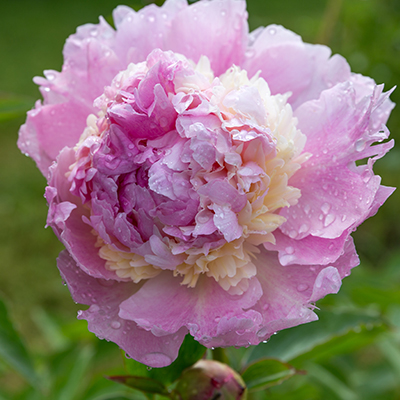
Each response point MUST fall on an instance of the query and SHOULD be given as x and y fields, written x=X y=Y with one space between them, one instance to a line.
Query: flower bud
x=209 y=379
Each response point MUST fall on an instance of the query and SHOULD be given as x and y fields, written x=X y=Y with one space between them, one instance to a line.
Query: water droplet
x=163 y=122
x=293 y=233
x=329 y=219
x=115 y=325
x=289 y=250
x=344 y=217
x=265 y=307
x=262 y=332
x=250 y=53
x=334 y=159
x=325 y=208
x=366 y=176
x=360 y=145
x=149 y=368
x=303 y=228
x=223 y=13
x=93 y=32
x=272 y=31
x=302 y=287
x=212 y=348
x=50 y=76
x=307 y=208
x=164 y=15
x=94 y=308
x=265 y=341
x=151 y=18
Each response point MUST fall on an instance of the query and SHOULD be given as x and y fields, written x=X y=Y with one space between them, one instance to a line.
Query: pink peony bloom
x=203 y=179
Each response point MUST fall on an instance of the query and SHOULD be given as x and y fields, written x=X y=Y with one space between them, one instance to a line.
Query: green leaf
x=142 y=383
x=12 y=349
x=266 y=373
x=329 y=380
x=189 y=353
x=76 y=378
x=337 y=331
x=13 y=107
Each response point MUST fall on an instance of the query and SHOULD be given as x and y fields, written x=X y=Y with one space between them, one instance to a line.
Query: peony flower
x=203 y=180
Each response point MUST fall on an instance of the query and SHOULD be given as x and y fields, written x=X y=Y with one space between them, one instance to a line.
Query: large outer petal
x=104 y=298
x=289 y=65
x=337 y=195
x=89 y=64
x=290 y=291
x=176 y=26
x=213 y=316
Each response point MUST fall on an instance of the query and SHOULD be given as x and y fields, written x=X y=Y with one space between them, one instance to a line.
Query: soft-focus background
x=352 y=353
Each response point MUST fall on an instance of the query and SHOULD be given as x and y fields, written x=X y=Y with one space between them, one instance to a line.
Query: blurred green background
x=354 y=352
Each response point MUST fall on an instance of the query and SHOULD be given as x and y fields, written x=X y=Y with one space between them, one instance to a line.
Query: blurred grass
x=32 y=34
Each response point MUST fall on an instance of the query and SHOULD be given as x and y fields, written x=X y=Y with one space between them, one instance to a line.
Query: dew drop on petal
x=115 y=325
x=329 y=219
x=325 y=208
x=360 y=145
x=289 y=250
x=250 y=53
x=94 y=308
x=303 y=228
x=262 y=332
x=302 y=287
x=272 y=31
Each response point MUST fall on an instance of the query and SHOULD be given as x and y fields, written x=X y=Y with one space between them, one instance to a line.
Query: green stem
x=329 y=21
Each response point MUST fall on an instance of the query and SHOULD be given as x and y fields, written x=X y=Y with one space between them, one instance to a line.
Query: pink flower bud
x=209 y=379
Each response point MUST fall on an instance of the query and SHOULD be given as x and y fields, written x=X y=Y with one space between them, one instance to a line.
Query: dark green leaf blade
x=300 y=342
x=12 y=349
x=13 y=106
x=266 y=373
x=142 y=383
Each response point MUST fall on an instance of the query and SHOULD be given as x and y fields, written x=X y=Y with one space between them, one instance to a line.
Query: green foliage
x=265 y=373
x=12 y=349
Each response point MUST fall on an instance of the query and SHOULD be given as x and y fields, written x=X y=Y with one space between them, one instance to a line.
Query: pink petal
x=289 y=65
x=104 y=298
x=49 y=128
x=223 y=27
x=289 y=291
x=335 y=193
x=212 y=315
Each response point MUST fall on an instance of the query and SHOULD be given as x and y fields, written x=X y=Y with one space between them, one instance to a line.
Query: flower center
x=187 y=172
